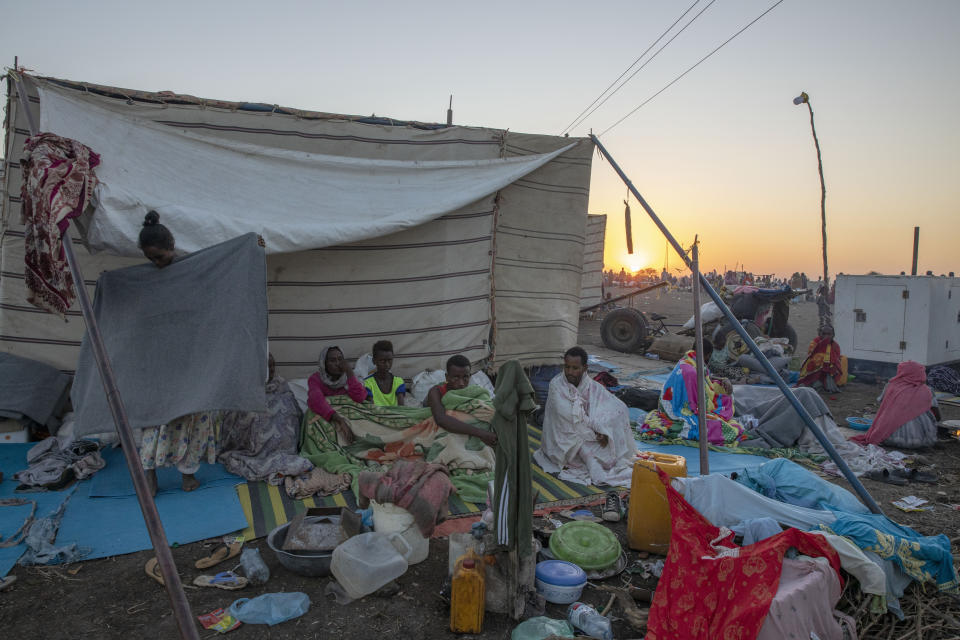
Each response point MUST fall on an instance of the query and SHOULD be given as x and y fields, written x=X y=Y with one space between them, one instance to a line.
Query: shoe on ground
x=613 y=507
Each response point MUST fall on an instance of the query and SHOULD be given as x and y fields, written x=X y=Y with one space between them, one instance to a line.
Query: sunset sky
x=723 y=153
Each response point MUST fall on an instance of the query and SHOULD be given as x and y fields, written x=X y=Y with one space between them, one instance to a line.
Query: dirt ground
x=112 y=598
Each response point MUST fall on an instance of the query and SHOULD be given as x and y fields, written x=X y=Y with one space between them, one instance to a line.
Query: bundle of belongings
x=56 y=461
x=421 y=488
x=756 y=417
x=735 y=361
x=32 y=393
x=707 y=575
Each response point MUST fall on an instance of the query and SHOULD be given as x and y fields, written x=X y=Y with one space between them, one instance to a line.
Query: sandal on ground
x=152 y=569
x=223 y=580
x=219 y=554
x=884 y=475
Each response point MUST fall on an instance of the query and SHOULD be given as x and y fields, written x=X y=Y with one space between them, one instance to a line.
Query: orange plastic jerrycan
x=468 y=595
x=648 y=522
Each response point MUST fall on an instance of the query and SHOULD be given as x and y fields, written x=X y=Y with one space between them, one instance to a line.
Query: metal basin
x=314 y=564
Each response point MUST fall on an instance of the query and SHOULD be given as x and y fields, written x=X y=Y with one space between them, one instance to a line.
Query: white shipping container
x=898 y=318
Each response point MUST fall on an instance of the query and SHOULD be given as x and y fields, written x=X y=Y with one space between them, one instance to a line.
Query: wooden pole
x=151 y=517
x=916 y=250
x=823 y=196
x=635 y=292
x=701 y=381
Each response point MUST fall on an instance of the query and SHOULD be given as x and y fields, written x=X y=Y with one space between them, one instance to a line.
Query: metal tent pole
x=171 y=580
x=754 y=349
x=701 y=379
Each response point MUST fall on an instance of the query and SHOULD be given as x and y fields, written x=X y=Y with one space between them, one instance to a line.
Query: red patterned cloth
x=58 y=182
x=711 y=589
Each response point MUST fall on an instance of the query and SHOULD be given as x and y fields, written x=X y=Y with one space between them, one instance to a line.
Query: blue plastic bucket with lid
x=559 y=581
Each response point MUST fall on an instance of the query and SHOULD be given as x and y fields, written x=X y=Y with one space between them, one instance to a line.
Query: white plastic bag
x=481 y=380
x=364 y=366
x=422 y=383
x=708 y=313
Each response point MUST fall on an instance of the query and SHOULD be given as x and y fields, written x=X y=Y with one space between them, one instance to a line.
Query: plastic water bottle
x=254 y=567
x=584 y=617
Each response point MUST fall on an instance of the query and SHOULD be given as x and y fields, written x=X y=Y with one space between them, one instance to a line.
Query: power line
x=625 y=71
x=649 y=60
x=675 y=80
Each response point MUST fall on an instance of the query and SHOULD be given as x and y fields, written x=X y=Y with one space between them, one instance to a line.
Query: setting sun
x=635 y=262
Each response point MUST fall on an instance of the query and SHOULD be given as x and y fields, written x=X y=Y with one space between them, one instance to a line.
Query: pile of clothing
x=882 y=555
x=57 y=461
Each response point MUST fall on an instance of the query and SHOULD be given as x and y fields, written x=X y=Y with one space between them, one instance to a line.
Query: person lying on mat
x=189 y=440
x=335 y=377
x=458 y=377
x=383 y=388
x=824 y=367
x=586 y=429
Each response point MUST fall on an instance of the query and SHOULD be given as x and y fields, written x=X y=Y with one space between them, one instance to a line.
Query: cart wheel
x=725 y=331
x=624 y=330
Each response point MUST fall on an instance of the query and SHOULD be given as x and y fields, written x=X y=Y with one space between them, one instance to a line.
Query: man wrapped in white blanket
x=586 y=429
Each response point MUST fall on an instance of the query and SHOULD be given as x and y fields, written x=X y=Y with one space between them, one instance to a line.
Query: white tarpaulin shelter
x=591 y=283
x=442 y=239
x=209 y=189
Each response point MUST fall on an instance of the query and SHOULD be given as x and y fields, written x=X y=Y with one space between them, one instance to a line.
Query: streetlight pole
x=803 y=98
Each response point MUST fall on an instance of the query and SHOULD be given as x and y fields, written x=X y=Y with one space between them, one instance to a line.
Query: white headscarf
x=333 y=383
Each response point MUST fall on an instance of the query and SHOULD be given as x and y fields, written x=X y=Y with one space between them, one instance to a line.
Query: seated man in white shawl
x=586 y=429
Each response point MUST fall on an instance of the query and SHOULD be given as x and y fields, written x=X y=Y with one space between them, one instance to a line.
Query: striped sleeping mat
x=267 y=506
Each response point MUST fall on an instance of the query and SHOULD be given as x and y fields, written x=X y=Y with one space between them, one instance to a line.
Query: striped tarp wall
x=591 y=283
x=540 y=237
x=427 y=289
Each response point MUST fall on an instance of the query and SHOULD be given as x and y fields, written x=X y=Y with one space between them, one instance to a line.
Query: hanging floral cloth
x=58 y=182
x=711 y=588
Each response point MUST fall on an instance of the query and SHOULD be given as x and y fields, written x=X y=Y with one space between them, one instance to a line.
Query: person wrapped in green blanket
x=453 y=430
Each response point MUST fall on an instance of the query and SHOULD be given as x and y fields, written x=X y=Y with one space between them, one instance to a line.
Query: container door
x=879 y=320
x=953 y=322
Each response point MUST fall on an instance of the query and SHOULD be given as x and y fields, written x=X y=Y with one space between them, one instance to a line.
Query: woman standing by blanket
x=334 y=378
x=908 y=411
x=189 y=440
x=677 y=415
x=824 y=366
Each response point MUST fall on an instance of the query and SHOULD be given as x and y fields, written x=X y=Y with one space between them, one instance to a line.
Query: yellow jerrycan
x=648 y=521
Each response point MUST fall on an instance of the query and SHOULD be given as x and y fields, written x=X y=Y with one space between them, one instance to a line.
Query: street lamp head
x=800 y=99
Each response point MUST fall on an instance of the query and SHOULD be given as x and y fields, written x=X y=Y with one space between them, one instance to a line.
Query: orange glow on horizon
x=635 y=262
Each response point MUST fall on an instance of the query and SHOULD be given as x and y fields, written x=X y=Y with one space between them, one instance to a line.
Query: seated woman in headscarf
x=335 y=377
x=824 y=367
x=677 y=415
x=908 y=413
x=263 y=446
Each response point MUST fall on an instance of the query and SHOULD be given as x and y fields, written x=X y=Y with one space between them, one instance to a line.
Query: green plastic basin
x=588 y=545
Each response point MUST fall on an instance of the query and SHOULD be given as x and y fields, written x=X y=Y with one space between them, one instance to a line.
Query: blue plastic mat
x=724 y=463
x=13 y=458
x=114 y=526
x=109 y=526
x=115 y=481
